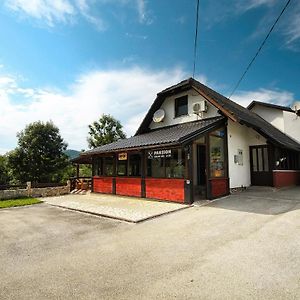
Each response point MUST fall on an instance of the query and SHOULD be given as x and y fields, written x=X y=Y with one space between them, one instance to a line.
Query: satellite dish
x=158 y=116
x=297 y=108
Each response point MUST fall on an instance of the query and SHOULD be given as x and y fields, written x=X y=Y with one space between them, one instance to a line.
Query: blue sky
x=71 y=60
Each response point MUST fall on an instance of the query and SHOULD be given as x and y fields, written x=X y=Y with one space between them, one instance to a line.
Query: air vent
x=200 y=107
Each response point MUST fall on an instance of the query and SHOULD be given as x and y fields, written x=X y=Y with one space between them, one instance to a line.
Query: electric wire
x=259 y=49
x=196 y=38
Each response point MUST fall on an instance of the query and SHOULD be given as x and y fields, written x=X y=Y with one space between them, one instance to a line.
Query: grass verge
x=18 y=202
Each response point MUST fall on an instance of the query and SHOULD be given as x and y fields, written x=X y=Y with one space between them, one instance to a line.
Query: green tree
x=4 y=171
x=39 y=156
x=105 y=131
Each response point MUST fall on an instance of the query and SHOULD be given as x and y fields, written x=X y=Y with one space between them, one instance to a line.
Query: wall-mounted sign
x=159 y=153
x=238 y=159
x=122 y=156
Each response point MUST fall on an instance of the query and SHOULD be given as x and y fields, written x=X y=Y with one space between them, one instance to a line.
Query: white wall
x=241 y=137
x=286 y=121
x=169 y=108
x=292 y=125
x=272 y=115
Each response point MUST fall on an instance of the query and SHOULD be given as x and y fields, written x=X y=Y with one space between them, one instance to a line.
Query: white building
x=195 y=143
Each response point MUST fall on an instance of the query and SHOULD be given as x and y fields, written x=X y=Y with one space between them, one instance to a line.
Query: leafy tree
x=105 y=131
x=39 y=156
x=85 y=170
x=4 y=172
x=70 y=171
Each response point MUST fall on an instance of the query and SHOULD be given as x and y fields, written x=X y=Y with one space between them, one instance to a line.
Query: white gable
x=286 y=121
x=292 y=125
x=272 y=115
x=169 y=107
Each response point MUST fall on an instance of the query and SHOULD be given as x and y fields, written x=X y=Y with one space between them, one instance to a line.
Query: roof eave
x=269 y=105
x=133 y=148
x=217 y=105
x=271 y=139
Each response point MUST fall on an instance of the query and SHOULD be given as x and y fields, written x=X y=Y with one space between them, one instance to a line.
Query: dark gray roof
x=172 y=135
x=280 y=107
x=81 y=159
x=240 y=113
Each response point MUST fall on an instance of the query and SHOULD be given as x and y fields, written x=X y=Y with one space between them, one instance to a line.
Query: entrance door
x=260 y=166
x=200 y=191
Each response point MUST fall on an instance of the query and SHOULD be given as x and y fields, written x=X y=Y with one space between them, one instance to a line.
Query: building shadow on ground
x=260 y=201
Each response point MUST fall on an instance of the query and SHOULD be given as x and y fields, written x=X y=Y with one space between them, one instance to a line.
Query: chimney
x=296 y=107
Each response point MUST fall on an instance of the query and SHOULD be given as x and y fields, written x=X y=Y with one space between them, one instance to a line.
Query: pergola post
x=77 y=170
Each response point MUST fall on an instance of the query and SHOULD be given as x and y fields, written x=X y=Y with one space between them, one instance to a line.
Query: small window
x=122 y=164
x=98 y=167
x=108 y=168
x=260 y=160
x=166 y=163
x=266 y=159
x=254 y=158
x=181 y=106
x=122 y=168
x=217 y=155
x=156 y=167
x=134 y=165
x=175 y=165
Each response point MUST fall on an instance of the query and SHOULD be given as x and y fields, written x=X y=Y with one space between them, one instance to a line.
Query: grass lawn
x=18 y=202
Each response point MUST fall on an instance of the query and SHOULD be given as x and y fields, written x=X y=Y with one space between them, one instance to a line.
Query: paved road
x=244 y=247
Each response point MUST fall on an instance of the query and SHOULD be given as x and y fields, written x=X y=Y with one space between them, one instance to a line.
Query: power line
x=259 y=49
x=196 y=38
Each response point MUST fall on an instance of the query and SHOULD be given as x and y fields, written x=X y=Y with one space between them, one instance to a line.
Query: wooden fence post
x=29 y=191
x=69 y=185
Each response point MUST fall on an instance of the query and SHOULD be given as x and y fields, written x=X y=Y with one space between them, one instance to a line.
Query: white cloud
x=288 y=26
x=181 y=20
x=51 y=12
x=291 y=28
x=279 y=97
x=126 y=94
x=6 y=81
x=136 y=36
x=143 y=13
x=218 y=12
x=251 y=4
x=84 y=9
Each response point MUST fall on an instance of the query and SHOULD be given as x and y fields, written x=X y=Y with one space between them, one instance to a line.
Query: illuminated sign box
x=122 y=156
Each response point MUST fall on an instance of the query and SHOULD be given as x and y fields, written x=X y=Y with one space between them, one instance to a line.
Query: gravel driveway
x=128 y=209
x=246 y=246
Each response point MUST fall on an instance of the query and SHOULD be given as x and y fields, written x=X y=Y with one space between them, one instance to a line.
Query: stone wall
x=11 y=194
x=35 y=192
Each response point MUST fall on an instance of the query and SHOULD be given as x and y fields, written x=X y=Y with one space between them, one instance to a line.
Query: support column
x=188 y=183
x=114 y=183
x=143 y=173
x=77 y=170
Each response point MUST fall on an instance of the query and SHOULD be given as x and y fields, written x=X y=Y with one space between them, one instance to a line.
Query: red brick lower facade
x=283 y=178
x=218 y=187
x=160 y=189
x=156 y=188
x=103 y=185
x=129 y=186
x=165 y=189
